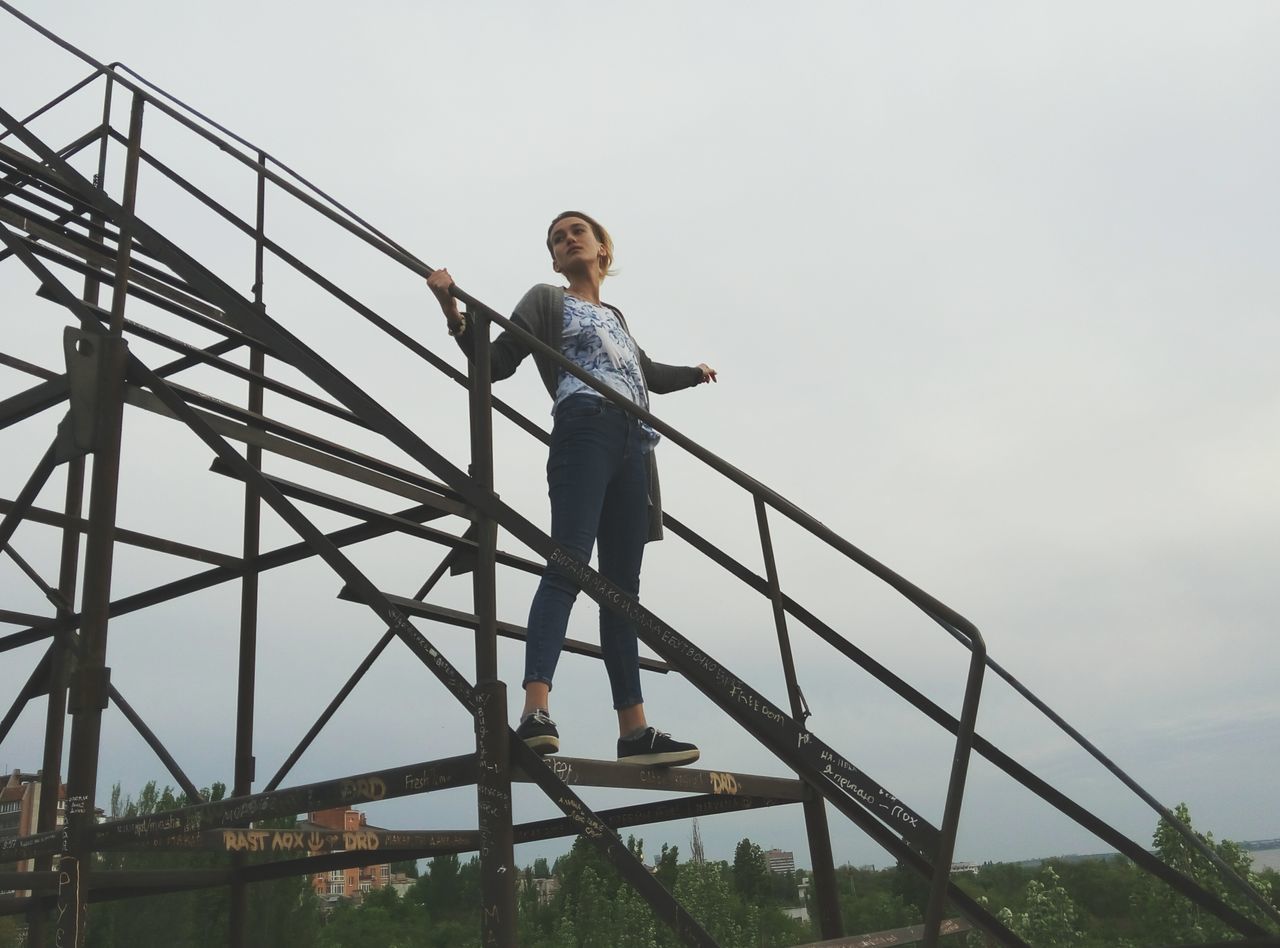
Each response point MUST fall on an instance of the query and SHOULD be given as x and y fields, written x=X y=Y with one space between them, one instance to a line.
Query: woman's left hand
x=708 y=373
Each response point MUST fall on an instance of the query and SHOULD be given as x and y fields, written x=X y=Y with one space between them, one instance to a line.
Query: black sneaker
x=655 y=747
x=539 y=733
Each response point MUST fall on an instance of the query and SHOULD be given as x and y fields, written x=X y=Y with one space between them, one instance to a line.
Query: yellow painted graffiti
x=723 y=783
x=364 y=788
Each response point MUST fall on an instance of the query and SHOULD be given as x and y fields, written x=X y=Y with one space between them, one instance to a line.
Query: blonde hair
x=602 y=235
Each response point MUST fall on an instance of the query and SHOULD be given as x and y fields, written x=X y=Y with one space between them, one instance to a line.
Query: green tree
x=870 y=901
x=408 y=867
x=911 y=888
x=439 y=889
x=381 y=920
x=195 y=919
x=450 y=895
x=750 y=872
x=634 y=922
x=1270 y=878
x=1168 y=916
x=594 y=918
x=1050 y=918
x=667 y=870
x=703 y=889
x=566 y=935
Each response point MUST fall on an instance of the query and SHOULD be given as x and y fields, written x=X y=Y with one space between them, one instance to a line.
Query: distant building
x=964 y=867
x=20 y=809
x=350 y=884
x=546 y=889
x=780 y=860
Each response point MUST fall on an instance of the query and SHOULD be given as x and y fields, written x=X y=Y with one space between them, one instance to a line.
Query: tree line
x=1093 y=903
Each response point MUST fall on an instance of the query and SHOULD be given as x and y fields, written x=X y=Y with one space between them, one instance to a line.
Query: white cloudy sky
x=991 y=289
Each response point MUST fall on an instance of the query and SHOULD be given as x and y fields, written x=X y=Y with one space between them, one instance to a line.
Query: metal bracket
x=89 y=689
x=463 y=558
x=95 y=366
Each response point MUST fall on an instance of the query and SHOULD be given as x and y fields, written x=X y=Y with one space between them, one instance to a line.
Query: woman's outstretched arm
x=664 y=379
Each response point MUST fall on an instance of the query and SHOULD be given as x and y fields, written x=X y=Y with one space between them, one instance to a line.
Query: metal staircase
x=68 y=226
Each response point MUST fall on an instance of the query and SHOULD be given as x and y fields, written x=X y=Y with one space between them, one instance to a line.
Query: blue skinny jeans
x=598 y=480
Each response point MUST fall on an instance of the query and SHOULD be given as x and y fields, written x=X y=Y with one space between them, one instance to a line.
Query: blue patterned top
x=594 y=340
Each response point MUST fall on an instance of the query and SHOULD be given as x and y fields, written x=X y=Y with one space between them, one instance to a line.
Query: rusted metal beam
x=152 y=741
x=509 y=630
x=301 y=446
x=643 y=814
x=310 y=840
x=349 y=508
x=153 y=830
x=26 y=497
x=10 y=617
x=166 y=592
x=576 y=771
x=144 y=541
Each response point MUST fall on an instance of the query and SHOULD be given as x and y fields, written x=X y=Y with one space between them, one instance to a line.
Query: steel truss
x=60 y=225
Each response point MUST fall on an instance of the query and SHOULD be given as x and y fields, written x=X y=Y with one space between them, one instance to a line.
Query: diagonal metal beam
x=331 y=709
x=153 y=742
x=509 y=630
x=37 y=684
x=55 y=598
x=284 y=556
x=349 y=686
x=131 y=537
x=56 y=100
x=463 y=544
x=241 y=425
x=34 y=400
x=26 y=497
x=19 y=618
x=22 y=365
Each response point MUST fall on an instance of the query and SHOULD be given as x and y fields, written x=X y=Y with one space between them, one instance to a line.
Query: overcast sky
x=991 y=289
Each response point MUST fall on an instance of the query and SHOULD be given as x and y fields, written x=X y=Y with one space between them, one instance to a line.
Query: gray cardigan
x=541 y=313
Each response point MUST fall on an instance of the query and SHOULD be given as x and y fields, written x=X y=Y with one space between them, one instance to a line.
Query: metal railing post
x=815 y=808
x=493 y=787
x=955 y=793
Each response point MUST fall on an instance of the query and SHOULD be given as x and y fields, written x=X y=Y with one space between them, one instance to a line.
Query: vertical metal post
x=815 y=808
x=245 y=765
x=493 y=787
x=59 y=667
x=68 y=575
x=88 y=685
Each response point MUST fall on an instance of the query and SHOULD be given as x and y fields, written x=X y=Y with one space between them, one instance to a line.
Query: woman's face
x=574 y=246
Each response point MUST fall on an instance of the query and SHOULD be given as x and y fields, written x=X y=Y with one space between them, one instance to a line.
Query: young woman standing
x=601 y=474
